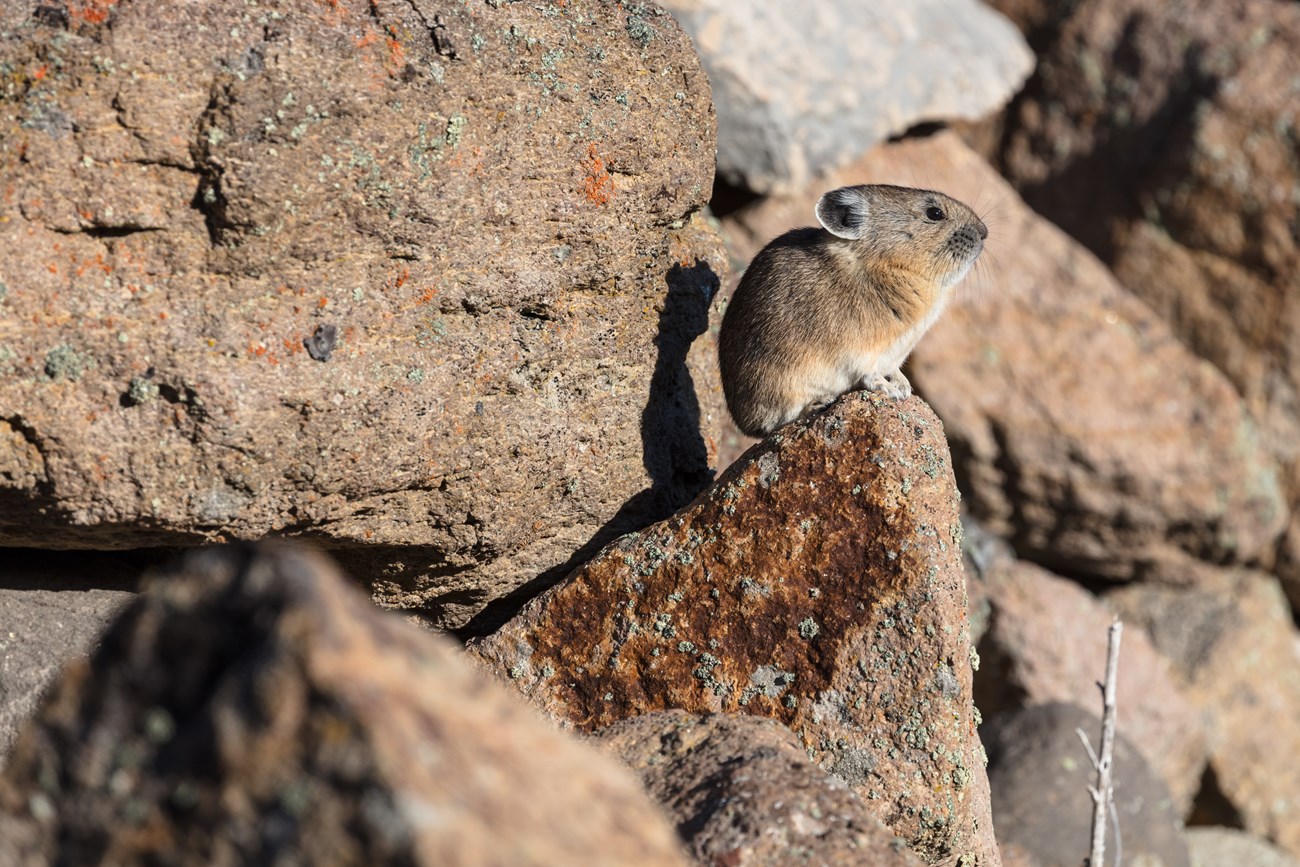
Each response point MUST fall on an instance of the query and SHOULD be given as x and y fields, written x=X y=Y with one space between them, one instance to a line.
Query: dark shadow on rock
x=673 y=450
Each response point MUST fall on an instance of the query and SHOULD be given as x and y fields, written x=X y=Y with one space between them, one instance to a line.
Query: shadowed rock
x=742 y=791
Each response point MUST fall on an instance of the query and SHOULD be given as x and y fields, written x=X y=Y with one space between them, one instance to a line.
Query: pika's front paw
x=894 y=385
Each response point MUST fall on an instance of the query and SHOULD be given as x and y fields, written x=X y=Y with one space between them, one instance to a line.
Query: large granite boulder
x=819 y=583
x=418 y=280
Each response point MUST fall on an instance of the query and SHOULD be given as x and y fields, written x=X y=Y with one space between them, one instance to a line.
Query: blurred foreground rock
x=252 y=708
x=742 y=791
x=417 y=280
x=818 y=583
x=1235 y=643
x=1039 y=773
x=805 y=87
x=1082 y=429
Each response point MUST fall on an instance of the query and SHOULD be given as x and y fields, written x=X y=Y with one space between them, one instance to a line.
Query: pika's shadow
x=673 y=451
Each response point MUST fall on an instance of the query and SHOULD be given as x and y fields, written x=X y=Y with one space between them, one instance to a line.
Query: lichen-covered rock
x=806 y=87
x=1164 y=137
x=1040 y=773
x=251 y=708
x=1046 y=642
x=1083 y=430
x=418 y=280
x=819 y=583
x=1234 y=641
x=741 y=790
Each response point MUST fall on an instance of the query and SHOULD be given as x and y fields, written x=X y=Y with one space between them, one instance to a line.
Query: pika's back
x=820 y=311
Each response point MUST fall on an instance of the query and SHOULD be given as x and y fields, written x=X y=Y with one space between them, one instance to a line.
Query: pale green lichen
x=64 y=362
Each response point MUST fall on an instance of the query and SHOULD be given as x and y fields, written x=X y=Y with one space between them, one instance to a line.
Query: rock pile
x=429 y=284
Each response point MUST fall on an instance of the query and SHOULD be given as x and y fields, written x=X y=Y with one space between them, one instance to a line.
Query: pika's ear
x=844 y=212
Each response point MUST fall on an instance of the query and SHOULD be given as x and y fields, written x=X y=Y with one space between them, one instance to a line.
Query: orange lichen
x=597 y=185
x=92 y=11
x=396 y=53
x=322 y=302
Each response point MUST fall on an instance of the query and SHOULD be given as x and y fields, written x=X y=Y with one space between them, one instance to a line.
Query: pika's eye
x=934 y=213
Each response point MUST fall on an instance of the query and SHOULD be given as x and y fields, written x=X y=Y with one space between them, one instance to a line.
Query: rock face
x=1039 y=773
x=1164 y=137
x=1046 y=643
x=1082 y=429
x=400 y=277
x=818 y=583
x=251 y=708
x=742 y=791
x=806 y=87
x=1235 y=643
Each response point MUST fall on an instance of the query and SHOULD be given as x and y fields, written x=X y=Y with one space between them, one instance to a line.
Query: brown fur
x=818 y=305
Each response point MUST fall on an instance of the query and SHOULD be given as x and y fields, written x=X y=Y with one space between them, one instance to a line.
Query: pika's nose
x=983 y=230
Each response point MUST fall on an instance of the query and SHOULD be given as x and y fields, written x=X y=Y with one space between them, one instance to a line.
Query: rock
x=253 y=708
x=1082 y=429
x=1165 y=138
x=494 y=206
x=1046 y=643
x=742 y=790
x=1236 y=644
x=41 y=629
x=1039 y=774
x=1215 y=847
x=818 y=583
x=802 y=88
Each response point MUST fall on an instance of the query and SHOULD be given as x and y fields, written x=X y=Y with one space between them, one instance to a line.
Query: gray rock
x=1040 y=773
x=42 y=629
x=1220 y=847
x=803 y=87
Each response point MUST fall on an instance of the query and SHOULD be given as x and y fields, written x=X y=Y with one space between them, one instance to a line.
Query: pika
x=823 y=311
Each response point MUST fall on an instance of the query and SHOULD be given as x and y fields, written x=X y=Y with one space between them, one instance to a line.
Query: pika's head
x=920 y=231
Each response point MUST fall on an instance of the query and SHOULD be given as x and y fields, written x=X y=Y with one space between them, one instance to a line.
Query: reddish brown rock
x=819 y=583
x=741 y=790
x=1164 y=136
x=1082 y=429
x=416 y=280
x=1046 y=643
x=1234 y=641
x=253 y=709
